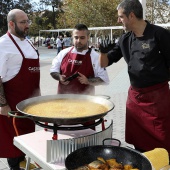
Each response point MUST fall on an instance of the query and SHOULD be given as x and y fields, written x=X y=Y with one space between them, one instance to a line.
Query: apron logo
x=145 y=46
x=75 y=62
x=34 y=69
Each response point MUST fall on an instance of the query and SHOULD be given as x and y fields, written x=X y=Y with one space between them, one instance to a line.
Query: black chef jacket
x=148 y=57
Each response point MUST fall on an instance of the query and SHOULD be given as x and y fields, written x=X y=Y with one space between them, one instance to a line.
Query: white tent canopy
x=111 y=28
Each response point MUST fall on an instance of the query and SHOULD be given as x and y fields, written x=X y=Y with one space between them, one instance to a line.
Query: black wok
x=65 y=121
x=123 y=155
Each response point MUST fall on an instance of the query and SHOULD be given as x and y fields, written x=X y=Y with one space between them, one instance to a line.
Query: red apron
x=24 y=85
x=71 y=64
x=148 y=117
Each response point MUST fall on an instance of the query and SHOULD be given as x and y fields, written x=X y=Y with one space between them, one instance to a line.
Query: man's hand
x=4 y=110
x=62 y=80
x=59 y=77
x=106 y=45
x=82 y=78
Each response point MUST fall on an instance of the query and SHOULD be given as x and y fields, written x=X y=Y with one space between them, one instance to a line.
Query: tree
x=100 y=13
x=7 y=5
x=93 y=13
x=43 y=20
x=158 y=11
x=52 y=14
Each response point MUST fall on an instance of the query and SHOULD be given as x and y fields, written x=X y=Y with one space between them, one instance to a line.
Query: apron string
x=19 y=47
x=10 y=36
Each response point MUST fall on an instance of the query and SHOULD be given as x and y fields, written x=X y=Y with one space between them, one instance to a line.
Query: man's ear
x=11 y=24
x=131 y=15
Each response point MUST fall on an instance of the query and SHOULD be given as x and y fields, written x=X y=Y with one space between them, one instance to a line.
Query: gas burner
x=56 y=127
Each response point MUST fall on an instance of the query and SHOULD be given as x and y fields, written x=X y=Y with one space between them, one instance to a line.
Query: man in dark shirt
x=146 y=49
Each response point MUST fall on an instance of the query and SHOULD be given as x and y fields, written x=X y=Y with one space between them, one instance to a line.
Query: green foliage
x=93 y=13
x=158 y=11
x=7 y=5
x=54 y=14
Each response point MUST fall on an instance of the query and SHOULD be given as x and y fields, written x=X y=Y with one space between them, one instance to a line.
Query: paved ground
x=117 y=90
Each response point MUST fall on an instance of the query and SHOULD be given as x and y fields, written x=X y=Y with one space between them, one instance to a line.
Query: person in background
x=146 y=50
x=78 y=59
x=59 y=43
x=66 y=41
x=19 y=80
x=47 y=41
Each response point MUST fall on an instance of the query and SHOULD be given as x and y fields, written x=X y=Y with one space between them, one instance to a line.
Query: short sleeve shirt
x=98 y=71
x=11 y=58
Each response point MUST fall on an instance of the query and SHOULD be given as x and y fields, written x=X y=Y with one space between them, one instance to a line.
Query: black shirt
x=148 y=57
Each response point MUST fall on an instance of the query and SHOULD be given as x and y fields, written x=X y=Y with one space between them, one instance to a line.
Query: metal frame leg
x=28 y=163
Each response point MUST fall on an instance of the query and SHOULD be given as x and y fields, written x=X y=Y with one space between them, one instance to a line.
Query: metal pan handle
x=15 y=114
x=103 y=96
x=111 y=141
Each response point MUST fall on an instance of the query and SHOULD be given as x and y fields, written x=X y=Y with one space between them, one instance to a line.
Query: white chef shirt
x=59 y=42
x=98 y=71
x=11 y=58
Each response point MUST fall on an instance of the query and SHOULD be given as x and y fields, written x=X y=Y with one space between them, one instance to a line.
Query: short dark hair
x=132 y=6
x=81 y=27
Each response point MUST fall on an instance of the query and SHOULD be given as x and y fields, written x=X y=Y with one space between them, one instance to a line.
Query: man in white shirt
x=82 y=64
x=59 y=43
x=78 y=59
x=19 y=80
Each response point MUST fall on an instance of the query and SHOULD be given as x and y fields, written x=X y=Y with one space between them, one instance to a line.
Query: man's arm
x=56 y=75
x=4 y=107
x=95 y=81
x=91 y=81
x=3 y=101
x=59 y=77
x=103 y=59
x=83 y=80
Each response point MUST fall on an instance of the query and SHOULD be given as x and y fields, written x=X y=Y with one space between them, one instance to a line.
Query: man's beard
x=19 y=33
x=81 y=48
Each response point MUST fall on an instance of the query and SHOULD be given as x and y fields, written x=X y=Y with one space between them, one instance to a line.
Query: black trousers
x=14 y=162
